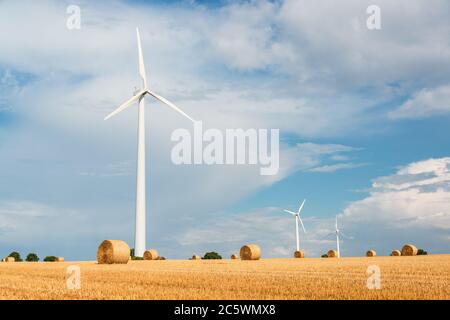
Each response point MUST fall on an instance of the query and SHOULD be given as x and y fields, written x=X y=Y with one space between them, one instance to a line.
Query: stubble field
x=420 y=277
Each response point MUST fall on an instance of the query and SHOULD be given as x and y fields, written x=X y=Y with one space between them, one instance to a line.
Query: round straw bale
x=59 y=259
x=113 y=251
x=299 y=254
x=409 y=250
x=151 y=254
x=234 y=257
x=196 y=257
x=10 y=259
x=332 y=254
x=250 y=252
x=396 y=253
x=371 y=253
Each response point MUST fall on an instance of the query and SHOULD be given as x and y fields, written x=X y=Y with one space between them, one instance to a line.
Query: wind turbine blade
x=170 y=104
x=141 y=59
x=125 y=105
x=293 y=213
x=301 y=206
x=346 y=236
x=301 y=222
x=336 y=223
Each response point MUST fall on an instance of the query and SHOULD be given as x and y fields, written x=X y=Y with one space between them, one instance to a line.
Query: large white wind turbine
x=140 y=244
x=297 y=220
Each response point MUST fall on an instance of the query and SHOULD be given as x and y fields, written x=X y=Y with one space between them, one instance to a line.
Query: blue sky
x=363 y=116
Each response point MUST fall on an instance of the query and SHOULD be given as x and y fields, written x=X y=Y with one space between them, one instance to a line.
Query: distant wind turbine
x=297 y=220
x=140 y=233
x=339 y=232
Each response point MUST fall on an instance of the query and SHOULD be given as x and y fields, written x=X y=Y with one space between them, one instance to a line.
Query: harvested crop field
x=416 y=277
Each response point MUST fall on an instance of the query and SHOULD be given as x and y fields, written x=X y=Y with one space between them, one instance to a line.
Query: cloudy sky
x=363 y=118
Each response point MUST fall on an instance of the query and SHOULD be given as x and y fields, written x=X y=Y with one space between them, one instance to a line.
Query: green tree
x=32 y=257
x=16 y=256
x=421 y=252
x=133 y=257
x=212 y=255
x=50 y=259
x=324 y=256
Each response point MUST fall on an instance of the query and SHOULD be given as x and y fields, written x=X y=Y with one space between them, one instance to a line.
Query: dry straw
x=196 y=257
x=59 y=259
x=250 y=252
x=151 y=254
x=113 y=251
x=409 y=250
x=396 y=253
x=234 y=257
x=10 y=259
x=371 y=253
x=332 y=254
x=299 y=254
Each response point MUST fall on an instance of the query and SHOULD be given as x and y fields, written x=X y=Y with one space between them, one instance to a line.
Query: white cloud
x=411 y=205
x=428 y=173
x=246 y=38
x=308 y=156
x=336 y=167
x=311 y=81
x=425 y=103
x=405 y=208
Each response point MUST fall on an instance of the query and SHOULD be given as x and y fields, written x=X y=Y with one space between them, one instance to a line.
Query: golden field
x=419 y=277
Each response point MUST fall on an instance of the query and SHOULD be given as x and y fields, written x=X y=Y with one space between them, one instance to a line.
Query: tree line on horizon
x=31 y=257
